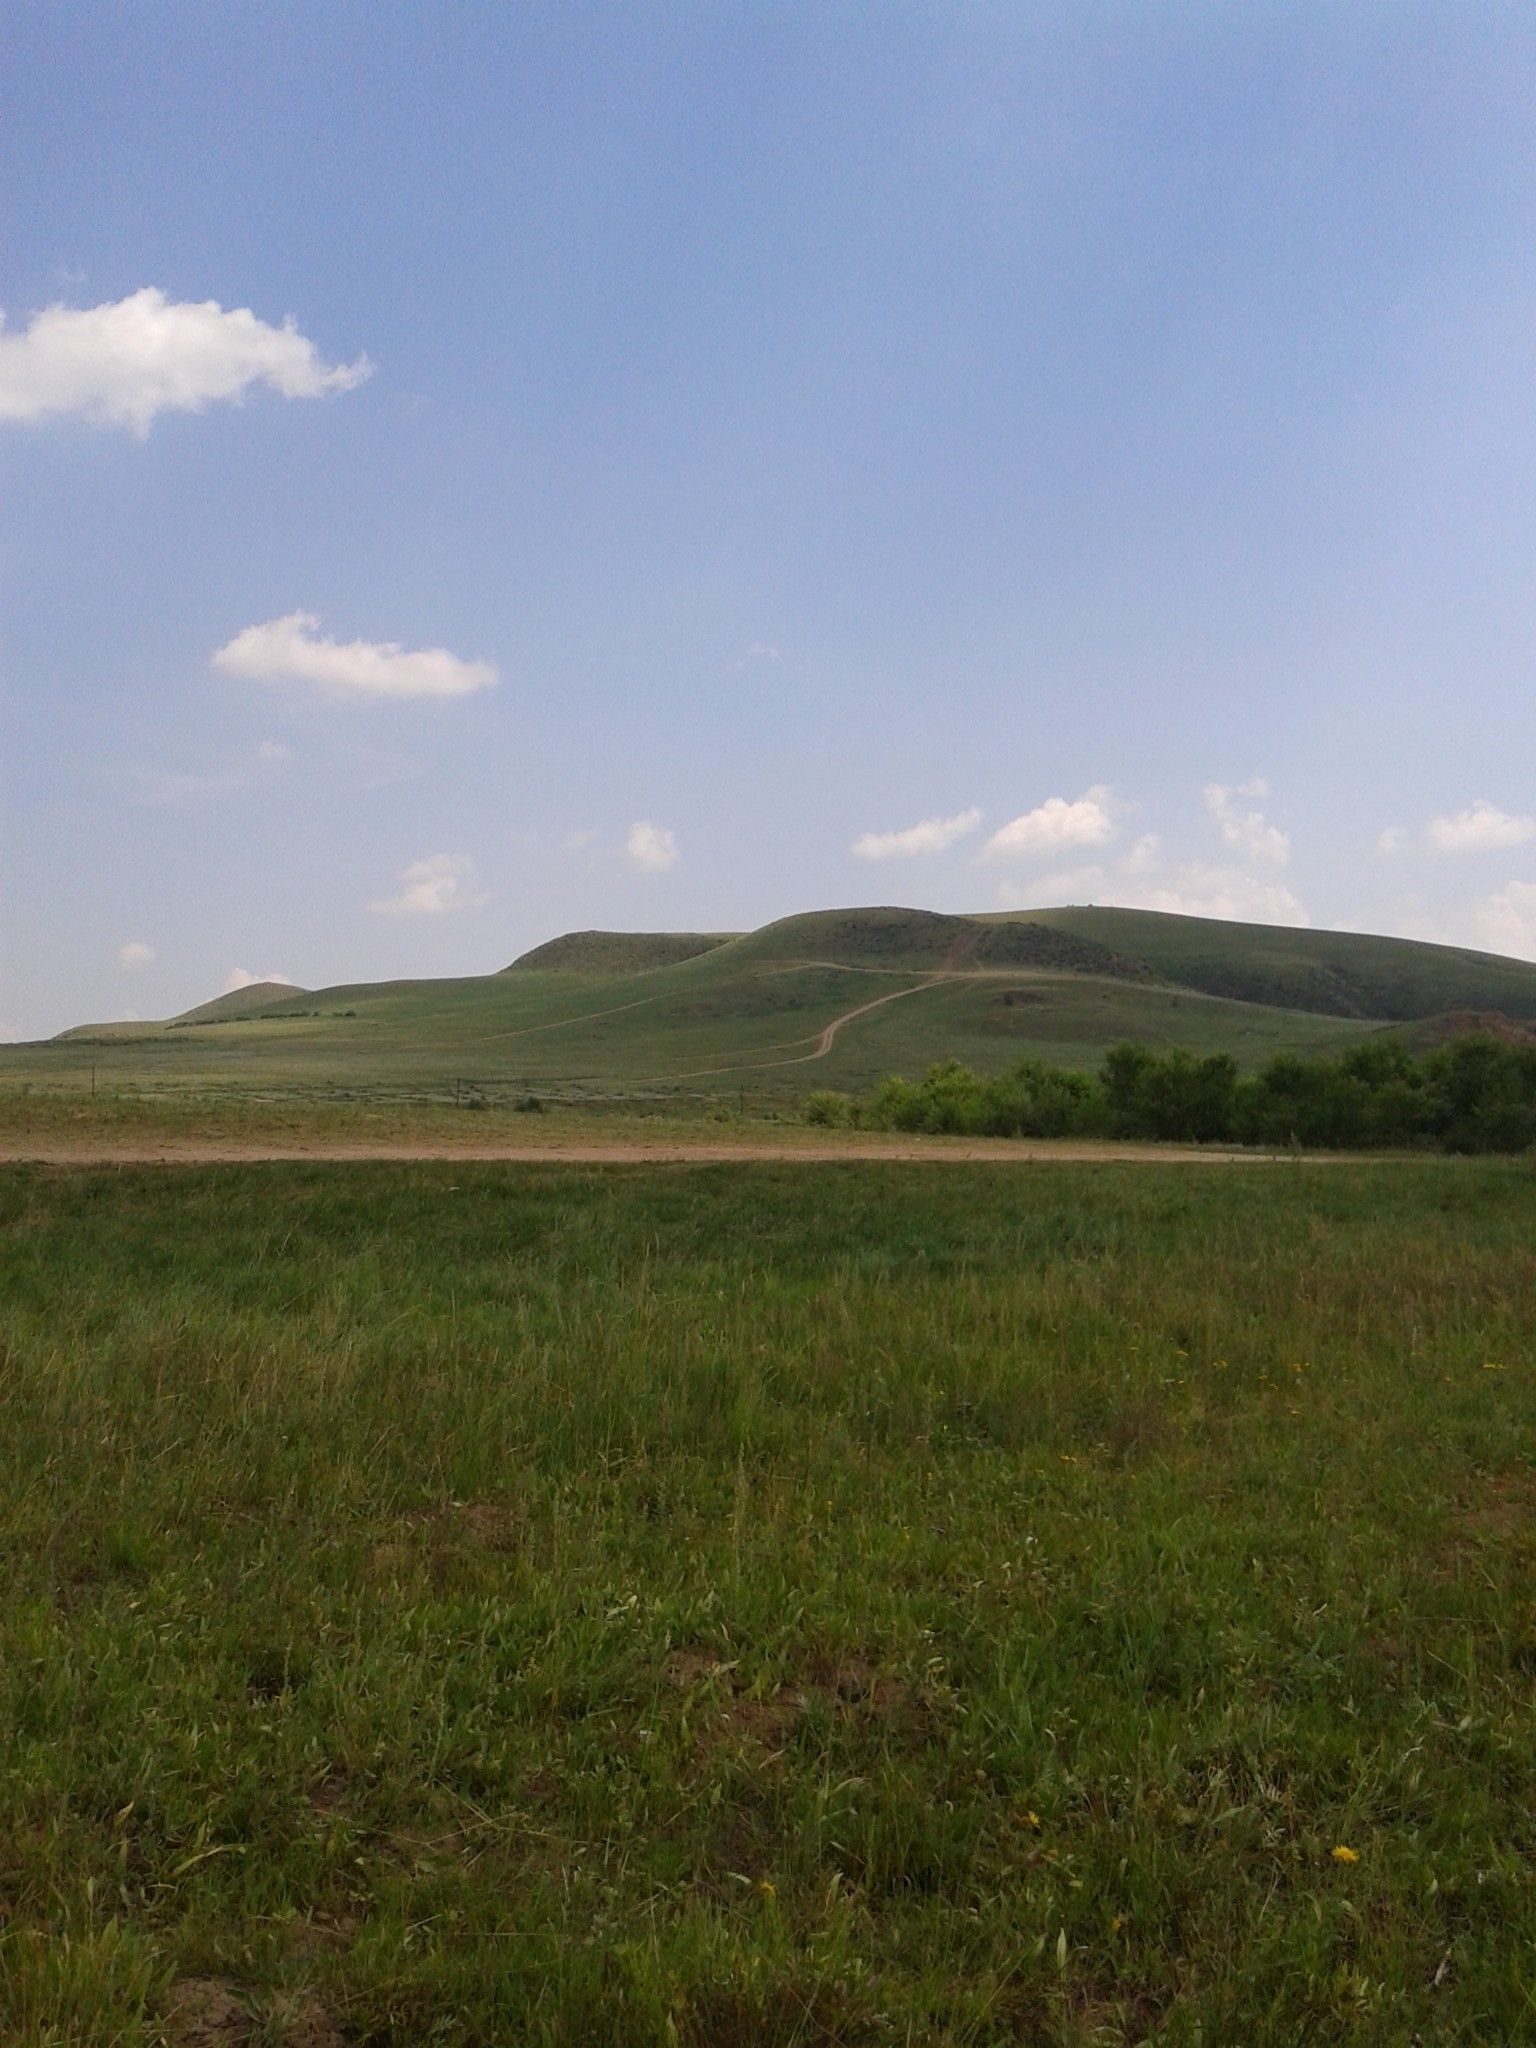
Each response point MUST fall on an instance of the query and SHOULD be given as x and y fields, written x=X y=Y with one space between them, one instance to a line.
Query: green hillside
x=1339 y=974
x=617 y=952
x=255 y=1000
x=833 y=998
x=930 y=941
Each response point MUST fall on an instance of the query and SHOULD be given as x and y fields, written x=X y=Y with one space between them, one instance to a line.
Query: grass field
x=776 y=1605
x=754 y=1035
x=836 y=999
x=130 y=1129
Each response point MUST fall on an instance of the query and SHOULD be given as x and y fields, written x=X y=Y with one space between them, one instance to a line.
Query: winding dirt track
x=828 y=1038
x=825 y=1039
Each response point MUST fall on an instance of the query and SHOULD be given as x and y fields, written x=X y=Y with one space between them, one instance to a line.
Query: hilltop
x=836 y=997
x=616 y=952
x=254 y=1000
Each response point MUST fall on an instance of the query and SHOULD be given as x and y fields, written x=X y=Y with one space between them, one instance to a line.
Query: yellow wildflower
x=1343 y=1854
x=770 y=1890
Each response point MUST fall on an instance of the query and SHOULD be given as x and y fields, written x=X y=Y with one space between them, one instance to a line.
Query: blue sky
x=739 y=459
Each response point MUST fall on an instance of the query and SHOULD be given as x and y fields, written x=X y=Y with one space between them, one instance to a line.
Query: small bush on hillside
x=826 y=1106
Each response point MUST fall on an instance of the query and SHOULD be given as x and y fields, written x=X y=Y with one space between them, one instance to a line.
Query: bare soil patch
x=206 y=2012
x=1504 y=1509
x=848 y=1685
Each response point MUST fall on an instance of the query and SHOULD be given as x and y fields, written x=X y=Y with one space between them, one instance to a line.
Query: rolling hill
x=237 y=1004
x=831 y=998
x=1338 y=974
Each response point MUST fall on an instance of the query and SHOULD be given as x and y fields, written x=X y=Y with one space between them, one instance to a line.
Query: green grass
x=778 y=1605
x=658 y=1037
x=617 y=952
x=1350 y=974
x=685 y=1018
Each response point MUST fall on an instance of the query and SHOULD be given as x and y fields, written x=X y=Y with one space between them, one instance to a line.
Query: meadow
x=675 y=1037
x=835 y=999
x=781 y=1604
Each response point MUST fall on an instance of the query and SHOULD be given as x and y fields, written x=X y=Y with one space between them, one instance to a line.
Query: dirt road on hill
x=821 y=1042
x=828 y=1038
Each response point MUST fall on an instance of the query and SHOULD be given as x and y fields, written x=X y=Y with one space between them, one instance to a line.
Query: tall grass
x=862 y=1604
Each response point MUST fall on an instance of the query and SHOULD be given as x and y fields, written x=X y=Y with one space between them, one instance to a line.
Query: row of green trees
x=1474 y=1094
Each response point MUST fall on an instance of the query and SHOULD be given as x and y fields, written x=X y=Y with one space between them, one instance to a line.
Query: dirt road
x=185 y=1149
x=821 y=1042
x=828 y=1038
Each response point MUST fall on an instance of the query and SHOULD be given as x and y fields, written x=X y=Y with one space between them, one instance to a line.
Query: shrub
x=830 y=1108
x=1476 y=1094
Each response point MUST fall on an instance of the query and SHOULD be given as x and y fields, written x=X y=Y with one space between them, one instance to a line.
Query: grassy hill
x=1339 y=974
x=930 y=941
x=832 y=998
x=616 y=952
x=254 y=1000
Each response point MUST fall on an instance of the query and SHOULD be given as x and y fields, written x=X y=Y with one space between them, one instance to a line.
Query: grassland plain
x=668 y=1035
x=718 y=1605
x=836 y=998
x=180 y=1128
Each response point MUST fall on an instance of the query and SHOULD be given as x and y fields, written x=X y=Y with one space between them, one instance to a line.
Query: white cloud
x=651 y=847
x=271 y=751
x=1064 y=885
x=1199 y=891
x=122 y=363
x=1390 y=841
x=1088 y=820
x=1482 y=829
x=756 y=651
x=290 y=649
x=931 y=836
x=1140 y=880
x=1506 y=921
x=135 y=954
x=1247 y=832
x=433 y=887
x=241 y=977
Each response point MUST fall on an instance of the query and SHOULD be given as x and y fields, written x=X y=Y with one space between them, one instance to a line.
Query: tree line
x=1476 y=1093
